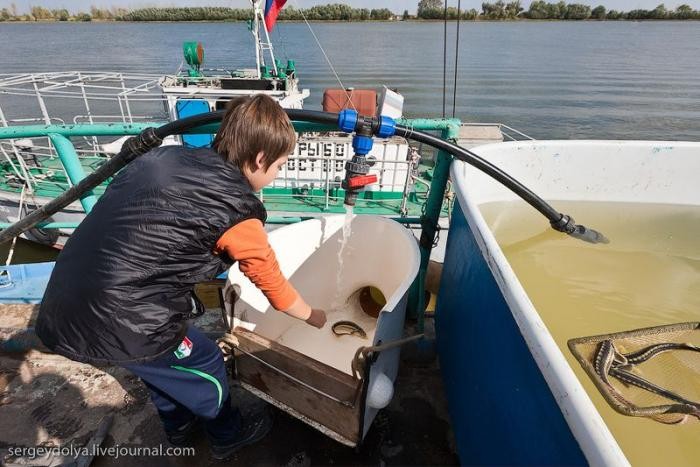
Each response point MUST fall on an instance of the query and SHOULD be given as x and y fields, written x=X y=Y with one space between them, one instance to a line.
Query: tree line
x=427 y=10
x=541 y=10
x=39 y=13
x=332 y=12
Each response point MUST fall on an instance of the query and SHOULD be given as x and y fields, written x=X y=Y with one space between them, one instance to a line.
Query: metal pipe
x=429 y=225
x=46 y=225
x=74 y=170
x=133 y=147
x=123 y=129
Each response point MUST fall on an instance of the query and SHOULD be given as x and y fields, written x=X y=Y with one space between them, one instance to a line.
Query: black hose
x=315 y=116
x=488 y=168
x=560 y=222
x=185 y=124
x=132 y=148
x=151 y=138
x=459 y=152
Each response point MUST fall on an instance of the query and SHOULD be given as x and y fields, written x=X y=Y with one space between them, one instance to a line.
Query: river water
x=549 y=79
x=582 y=80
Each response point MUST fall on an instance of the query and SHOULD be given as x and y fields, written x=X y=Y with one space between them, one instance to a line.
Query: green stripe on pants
x=203 y=375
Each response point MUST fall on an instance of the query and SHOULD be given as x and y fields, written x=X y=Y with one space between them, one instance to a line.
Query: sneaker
x=253 y=429
x=184 y=435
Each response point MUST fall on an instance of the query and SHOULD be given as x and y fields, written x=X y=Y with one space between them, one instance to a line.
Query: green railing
x=60 y=138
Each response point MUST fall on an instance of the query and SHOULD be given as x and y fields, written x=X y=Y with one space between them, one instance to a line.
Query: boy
x=122 y=288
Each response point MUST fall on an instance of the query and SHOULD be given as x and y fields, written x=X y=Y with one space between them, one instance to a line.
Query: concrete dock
x=48 y=400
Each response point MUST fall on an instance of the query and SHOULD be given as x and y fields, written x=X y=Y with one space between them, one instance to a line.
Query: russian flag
x=272 y=10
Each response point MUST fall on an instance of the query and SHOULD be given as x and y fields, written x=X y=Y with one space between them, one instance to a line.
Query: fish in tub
x=564 y=351
x=336 y=378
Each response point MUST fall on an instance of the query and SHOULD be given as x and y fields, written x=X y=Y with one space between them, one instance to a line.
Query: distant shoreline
x=428 y=11
x=516 y=20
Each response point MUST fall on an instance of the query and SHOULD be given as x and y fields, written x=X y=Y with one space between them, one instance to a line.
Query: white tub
x=531 y=400
x=379 y=253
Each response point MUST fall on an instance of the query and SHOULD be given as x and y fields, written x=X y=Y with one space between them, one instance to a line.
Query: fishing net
x=652 y=372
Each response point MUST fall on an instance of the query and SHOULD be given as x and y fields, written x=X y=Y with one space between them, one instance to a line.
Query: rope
x=228 y=343
x=328 y=60
x=410 y=129
x=11 y=253
x=282 y=40
x=454 y=91
x=444 y=63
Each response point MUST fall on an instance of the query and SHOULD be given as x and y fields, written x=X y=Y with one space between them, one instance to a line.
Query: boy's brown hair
x=251 y=125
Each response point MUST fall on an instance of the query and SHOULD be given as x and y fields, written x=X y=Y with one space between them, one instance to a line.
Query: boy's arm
x=246 y=242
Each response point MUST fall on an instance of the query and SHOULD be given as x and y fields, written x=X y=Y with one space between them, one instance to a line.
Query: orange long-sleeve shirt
x=246 y=242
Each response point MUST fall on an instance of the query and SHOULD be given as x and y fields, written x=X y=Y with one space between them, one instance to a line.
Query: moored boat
x=517 y=393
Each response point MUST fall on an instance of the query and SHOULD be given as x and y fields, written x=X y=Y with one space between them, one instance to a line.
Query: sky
x=397 y=6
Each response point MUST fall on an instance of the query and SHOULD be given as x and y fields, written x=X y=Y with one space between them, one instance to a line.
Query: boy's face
x=260 y=177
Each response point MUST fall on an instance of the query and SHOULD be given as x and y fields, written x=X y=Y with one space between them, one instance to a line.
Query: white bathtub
x=379 y=253
x=531 y=401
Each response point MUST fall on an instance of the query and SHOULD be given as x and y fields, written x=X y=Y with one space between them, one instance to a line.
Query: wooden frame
x=320 y=395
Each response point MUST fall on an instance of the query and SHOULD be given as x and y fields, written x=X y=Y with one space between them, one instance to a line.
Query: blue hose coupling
x=387 y=127
x=362 y=144
x=347 y=120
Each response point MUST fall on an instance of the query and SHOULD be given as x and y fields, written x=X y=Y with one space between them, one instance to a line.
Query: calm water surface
x=552 y=80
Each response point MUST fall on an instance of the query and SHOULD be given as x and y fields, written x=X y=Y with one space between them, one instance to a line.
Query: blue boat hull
x=24 y=283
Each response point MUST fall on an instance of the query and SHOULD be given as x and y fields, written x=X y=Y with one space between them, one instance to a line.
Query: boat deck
x=48 y=400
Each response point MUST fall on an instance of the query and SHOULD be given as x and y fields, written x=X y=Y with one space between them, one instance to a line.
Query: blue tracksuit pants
x=191 y=382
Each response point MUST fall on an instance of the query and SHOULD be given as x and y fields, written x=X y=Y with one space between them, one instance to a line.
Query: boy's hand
x=317 y=318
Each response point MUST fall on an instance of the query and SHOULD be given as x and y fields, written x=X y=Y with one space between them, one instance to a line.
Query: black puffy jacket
x=122 y=287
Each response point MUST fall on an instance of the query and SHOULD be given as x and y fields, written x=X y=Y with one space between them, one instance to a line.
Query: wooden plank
x=338 y=418
x=476 y=135
x=325 y=378
x=298 y=415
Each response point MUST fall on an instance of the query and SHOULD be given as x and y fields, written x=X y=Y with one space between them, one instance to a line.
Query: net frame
x=611 y=361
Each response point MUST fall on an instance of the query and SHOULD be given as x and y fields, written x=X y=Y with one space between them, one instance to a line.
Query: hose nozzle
x=567 y=225
x=589 y=235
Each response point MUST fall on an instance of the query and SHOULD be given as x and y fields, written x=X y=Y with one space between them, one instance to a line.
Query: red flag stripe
x=272 y=14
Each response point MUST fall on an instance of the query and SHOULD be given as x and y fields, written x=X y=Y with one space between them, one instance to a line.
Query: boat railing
x=71 y=161
x=512 y=134
x=310 y=182
x=114 y=118
x=59 y=95
x=508 y=133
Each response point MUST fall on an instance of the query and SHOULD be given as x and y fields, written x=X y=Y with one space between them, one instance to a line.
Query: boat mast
x=261 y=45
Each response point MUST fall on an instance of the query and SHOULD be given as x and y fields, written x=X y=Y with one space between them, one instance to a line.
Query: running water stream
x=346 y=305
x=347 y=229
